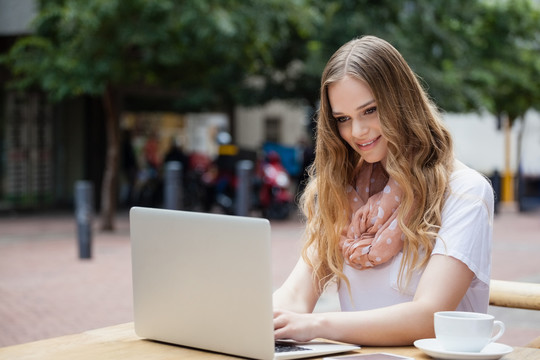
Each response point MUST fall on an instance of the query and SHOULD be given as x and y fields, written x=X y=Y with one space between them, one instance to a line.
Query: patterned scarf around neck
x=373 y=236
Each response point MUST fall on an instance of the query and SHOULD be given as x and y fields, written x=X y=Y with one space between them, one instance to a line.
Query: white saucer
x=492 y=351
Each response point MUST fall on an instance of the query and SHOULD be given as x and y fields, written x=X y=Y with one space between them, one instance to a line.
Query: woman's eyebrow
x=358 y=108
x=366 y=104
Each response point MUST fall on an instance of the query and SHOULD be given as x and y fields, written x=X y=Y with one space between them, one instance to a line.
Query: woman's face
x=355 y=111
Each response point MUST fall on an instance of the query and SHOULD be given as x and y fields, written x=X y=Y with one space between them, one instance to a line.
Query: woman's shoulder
x=465 y=181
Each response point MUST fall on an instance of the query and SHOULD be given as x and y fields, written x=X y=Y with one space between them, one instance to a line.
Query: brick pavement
x=47 y=291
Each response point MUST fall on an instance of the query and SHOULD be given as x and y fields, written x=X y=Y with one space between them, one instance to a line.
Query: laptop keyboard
x=282 y=347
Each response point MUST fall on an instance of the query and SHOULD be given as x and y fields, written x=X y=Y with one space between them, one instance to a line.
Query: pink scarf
x=373 y=236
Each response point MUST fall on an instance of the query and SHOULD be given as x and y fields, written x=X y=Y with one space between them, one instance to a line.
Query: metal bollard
x=84 y=209
x=172 y=194
x=243 y=191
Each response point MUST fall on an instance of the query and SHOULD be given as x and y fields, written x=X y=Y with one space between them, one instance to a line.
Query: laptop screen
x=203 y=280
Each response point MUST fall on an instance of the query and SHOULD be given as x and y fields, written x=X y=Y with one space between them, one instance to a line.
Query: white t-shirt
x=465 y=234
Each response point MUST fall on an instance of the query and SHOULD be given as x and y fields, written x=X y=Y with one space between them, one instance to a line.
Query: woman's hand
x=295 y=326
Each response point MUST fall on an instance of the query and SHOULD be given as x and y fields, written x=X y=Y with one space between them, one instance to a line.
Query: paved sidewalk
x=47 y=291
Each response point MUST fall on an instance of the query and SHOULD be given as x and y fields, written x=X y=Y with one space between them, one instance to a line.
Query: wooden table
x=120 y=342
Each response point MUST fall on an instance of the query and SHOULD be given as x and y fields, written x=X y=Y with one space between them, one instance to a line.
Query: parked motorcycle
x=269 y=188
x=275 y=198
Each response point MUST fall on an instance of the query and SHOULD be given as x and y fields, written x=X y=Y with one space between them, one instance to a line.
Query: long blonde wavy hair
x=420 y=158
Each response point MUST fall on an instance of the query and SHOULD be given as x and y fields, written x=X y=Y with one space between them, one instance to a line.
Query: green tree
x=431 y=35
x=300 y=60
x=506 y=48
x=202 y=49
x=435 y=38
x=482 y=59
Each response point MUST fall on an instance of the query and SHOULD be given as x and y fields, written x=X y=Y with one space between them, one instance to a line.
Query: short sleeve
x=467 y=223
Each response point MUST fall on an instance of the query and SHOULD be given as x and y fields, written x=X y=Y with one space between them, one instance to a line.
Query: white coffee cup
x=463 y=331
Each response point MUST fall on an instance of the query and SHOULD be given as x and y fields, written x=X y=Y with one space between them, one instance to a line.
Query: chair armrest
x=514 y=294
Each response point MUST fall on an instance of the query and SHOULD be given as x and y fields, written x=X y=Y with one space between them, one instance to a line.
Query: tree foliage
x=506 y=49
x=471 y=55
x=81 y=47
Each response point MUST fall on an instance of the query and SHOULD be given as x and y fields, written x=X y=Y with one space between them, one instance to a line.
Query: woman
x=402 y=226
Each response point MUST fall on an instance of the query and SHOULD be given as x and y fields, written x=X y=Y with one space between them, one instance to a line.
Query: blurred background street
x=179 y=104
x=47 y=291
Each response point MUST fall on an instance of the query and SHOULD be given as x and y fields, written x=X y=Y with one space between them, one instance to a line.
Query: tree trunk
x=109 y=185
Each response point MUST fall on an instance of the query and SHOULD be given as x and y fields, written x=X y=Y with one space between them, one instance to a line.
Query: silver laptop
x=205 y=281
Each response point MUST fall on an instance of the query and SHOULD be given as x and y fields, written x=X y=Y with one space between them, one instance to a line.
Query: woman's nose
x=359 y=128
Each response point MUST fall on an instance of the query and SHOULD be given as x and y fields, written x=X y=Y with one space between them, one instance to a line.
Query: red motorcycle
x=274 y=194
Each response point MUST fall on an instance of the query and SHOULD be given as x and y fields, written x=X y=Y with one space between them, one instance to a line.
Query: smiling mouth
x=370 y=142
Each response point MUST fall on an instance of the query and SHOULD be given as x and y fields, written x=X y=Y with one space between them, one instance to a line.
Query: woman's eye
x=370 y=111
x=342 y=119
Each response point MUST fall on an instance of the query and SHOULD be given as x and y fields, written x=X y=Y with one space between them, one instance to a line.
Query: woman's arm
x=442 y=286
x=299 y=292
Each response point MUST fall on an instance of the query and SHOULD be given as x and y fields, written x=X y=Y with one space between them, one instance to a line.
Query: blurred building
x=479 y=143
x=44 y=148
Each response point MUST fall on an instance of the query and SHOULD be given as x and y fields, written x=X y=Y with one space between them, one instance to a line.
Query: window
x=272 y=129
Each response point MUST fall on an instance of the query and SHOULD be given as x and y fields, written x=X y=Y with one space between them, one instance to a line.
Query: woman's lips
x=369 y=144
